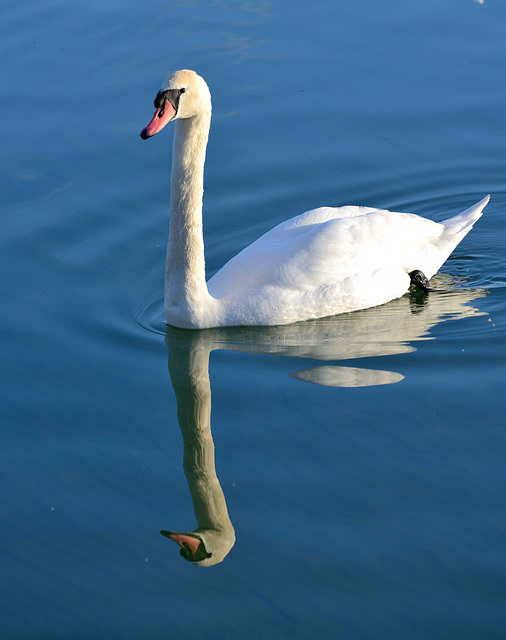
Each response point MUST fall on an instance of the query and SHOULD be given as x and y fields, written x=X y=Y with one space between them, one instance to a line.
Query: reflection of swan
x=215 y=536
x=361 y=334
x=387 y=330
x=321 y=263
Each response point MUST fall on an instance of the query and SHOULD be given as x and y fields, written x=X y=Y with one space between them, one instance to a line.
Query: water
x=371 y=511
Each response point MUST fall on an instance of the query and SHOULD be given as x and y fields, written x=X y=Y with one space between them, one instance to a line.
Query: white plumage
x=321 y=263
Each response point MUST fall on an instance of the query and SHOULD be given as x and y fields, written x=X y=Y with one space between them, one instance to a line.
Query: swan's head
x=183 y=94
x=204 y=547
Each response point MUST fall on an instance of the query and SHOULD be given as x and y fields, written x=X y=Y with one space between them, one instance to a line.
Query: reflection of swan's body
x=215 y=535
x=369 y=333
x=321 y=263
x=362 y=334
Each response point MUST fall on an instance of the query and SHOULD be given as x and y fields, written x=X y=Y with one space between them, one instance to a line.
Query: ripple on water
x=150 y=317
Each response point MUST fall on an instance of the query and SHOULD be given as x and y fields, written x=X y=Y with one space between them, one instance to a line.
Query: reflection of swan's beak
x=187 y=541
x=204 y=547
x=192 y=546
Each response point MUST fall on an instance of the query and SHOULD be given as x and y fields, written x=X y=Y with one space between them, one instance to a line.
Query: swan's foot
x=419 y=279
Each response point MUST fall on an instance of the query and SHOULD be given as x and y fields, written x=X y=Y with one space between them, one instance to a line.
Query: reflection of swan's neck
x=185 y=285
x=190 y=379
x=194 y=414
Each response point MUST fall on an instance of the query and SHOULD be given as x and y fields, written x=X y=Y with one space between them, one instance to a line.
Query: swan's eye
x=182 y=90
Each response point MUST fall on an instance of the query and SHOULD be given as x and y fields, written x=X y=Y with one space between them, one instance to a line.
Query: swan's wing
x=326 y=246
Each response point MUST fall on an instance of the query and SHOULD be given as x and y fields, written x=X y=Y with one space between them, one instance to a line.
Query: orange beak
x=162 y=116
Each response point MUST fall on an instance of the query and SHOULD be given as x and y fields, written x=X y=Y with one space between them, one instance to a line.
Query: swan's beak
x=162 y=116
x=186 y=541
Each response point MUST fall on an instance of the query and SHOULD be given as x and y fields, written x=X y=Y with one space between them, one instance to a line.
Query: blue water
x=361 y=457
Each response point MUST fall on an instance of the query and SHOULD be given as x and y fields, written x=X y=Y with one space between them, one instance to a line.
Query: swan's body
x=321 y=263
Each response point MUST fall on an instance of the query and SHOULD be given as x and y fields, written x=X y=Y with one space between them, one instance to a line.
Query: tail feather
x=454 y=230
x=461 y=224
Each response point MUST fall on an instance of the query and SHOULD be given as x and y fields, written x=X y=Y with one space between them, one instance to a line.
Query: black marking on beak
x=172 y=95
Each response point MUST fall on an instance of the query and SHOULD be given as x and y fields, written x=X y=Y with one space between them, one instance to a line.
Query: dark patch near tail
x=420 y=280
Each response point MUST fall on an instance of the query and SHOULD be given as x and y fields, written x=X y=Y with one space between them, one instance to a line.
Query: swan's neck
x=186 y=291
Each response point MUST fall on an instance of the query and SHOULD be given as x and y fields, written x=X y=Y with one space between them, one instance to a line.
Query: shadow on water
x=381 y=331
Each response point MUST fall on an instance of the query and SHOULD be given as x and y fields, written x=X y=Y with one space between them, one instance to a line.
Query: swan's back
x=332 y=260
x=326 y=245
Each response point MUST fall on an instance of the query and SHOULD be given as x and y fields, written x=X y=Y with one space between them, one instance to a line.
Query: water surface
x=360 y=458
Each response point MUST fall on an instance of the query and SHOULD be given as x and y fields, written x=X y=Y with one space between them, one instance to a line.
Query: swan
x=324 y=262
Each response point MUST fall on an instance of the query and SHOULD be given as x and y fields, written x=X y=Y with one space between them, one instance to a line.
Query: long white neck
x=186 y=294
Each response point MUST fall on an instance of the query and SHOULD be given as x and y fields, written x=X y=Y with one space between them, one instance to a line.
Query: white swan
x=321 y=263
